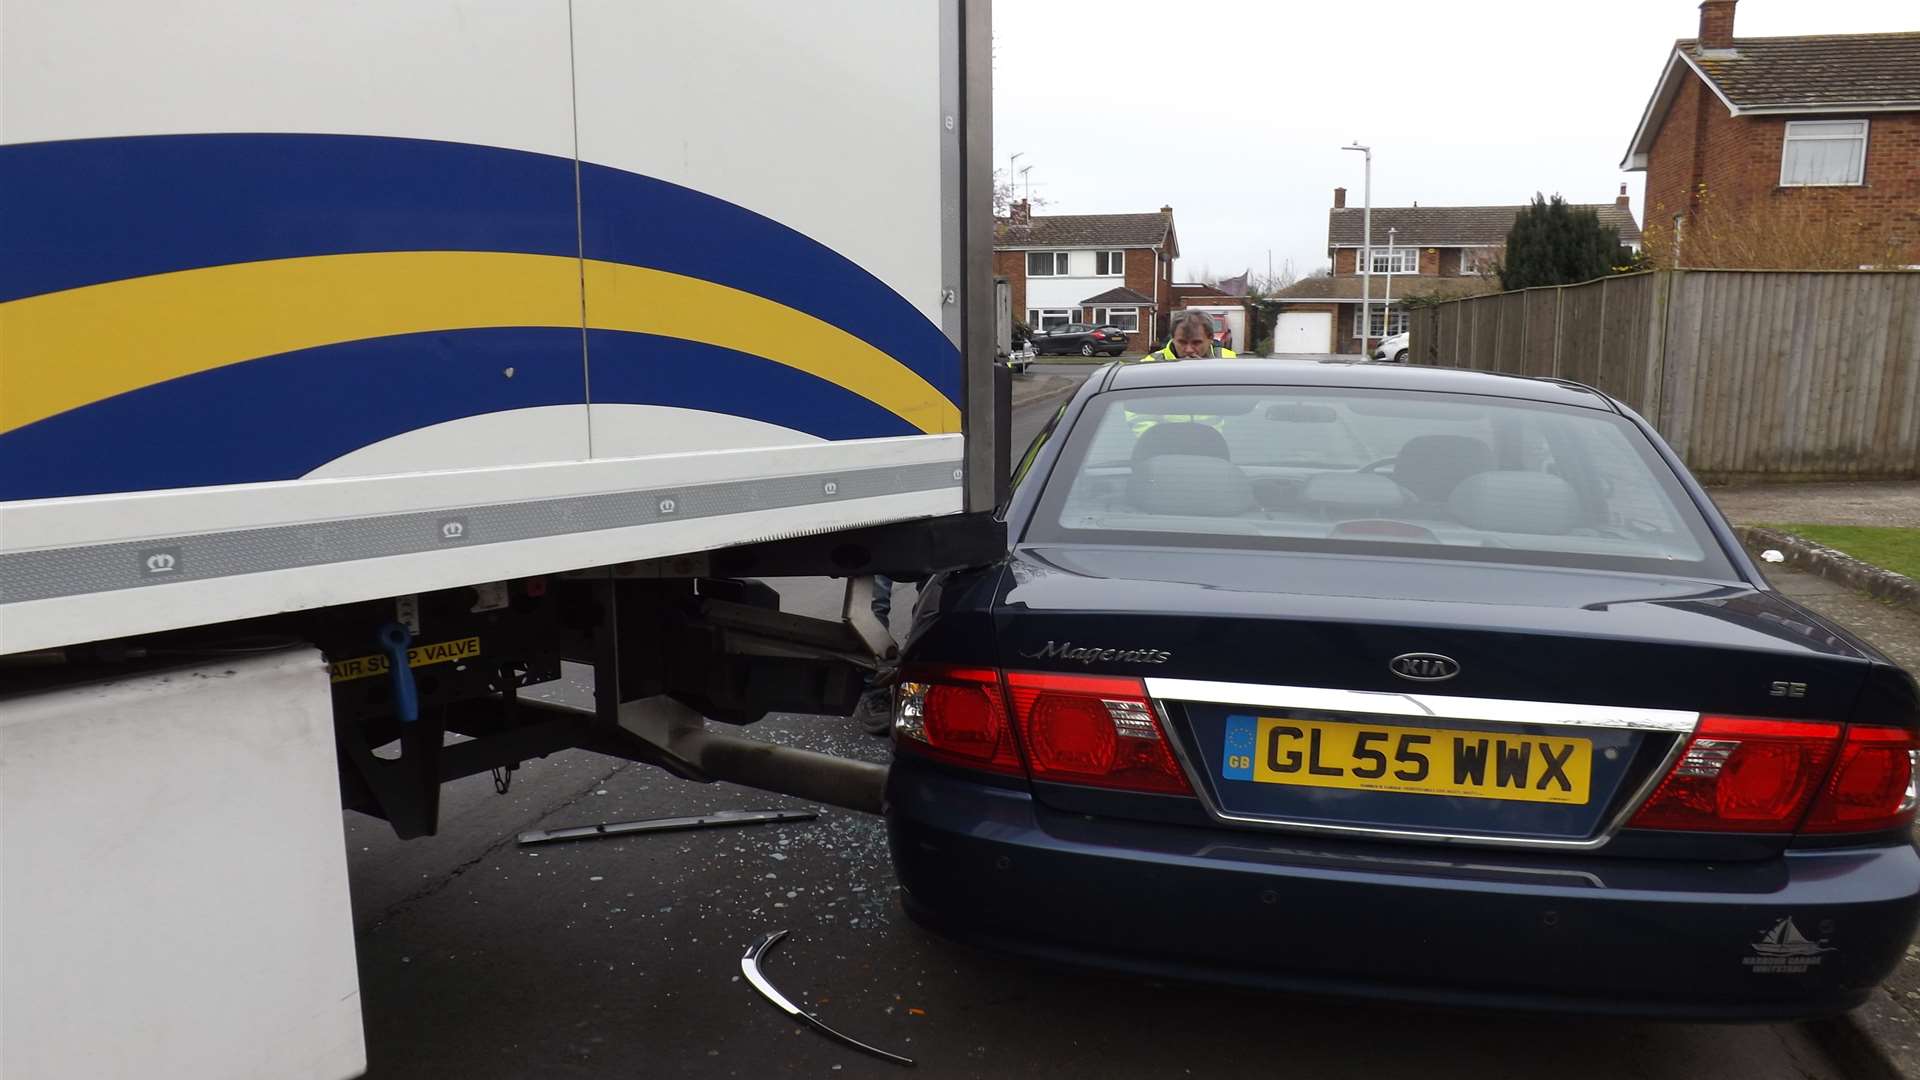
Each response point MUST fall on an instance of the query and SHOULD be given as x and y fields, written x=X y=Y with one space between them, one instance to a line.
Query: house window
x=1818 y=152
x=1048 y=318
x=1125 y=318
x=1046 y=264
x=1398 y=261
x=1469 y=261
x=1385 y=323
x=1109 y=263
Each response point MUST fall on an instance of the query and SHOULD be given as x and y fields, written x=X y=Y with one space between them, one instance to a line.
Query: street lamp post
x=1366 y=248
x=1386 y=304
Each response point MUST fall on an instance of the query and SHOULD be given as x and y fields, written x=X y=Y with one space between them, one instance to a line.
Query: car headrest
x=1180 y=437
x=1353 y=491
x=1431 y=466
x=1189 y=485
x=1516 y=502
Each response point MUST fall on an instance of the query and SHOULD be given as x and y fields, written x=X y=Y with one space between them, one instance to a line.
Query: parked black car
x=1083 y=338
x=1434 y=685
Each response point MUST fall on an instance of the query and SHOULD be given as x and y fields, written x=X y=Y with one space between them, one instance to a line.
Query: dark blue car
x=1420 y=684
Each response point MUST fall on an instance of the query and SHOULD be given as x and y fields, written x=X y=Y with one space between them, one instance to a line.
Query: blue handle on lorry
x=394 y=639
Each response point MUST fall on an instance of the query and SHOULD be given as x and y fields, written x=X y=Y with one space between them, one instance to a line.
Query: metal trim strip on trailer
x=58 y=572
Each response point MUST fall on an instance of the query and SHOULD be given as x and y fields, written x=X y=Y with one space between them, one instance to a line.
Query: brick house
x=1771 y=130
x=1436 y=252
x=1094 y=268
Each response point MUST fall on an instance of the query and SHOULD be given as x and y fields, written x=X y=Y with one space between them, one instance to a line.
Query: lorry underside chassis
x=672 y=642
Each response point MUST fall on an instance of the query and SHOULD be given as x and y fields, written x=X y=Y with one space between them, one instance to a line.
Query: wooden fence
x=1750 y=374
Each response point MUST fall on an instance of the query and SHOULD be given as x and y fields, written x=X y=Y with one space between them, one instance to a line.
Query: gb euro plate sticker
x=1237 y=762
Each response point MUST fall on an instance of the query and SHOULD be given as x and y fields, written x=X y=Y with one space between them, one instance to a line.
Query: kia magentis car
x=1432 y=685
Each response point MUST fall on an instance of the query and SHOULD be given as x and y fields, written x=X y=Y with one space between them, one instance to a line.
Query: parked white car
x=1392 y=349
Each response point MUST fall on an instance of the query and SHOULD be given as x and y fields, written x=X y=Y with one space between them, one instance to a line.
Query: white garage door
x=1303 y=332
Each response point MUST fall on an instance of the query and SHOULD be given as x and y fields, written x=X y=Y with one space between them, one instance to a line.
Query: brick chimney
x=1166 y=211
x=1716 y=24
x=1621 y=200
x=1339 y=198
x=1020 y=212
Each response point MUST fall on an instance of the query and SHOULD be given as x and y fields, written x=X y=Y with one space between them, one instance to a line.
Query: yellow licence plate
x=1419 y=761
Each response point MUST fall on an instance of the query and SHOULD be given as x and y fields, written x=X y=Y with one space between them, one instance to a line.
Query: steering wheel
x=1381 y=464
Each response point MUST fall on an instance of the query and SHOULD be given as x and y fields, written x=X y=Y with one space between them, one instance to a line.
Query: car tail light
x=1873 y=786
x=957 y=715
x=1099 y=336
x=1743 y=774
x=1095 y=730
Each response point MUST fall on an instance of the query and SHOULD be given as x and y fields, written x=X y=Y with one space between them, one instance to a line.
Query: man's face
x=1188 y=345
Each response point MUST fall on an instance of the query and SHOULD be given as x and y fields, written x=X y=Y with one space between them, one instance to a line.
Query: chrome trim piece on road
x=1679 y=725
x=1425 y=706
x=667 y=824
x=750 y=967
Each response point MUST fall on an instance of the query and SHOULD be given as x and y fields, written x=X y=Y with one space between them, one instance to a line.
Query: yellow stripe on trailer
x=440 y=652
x=87 y=344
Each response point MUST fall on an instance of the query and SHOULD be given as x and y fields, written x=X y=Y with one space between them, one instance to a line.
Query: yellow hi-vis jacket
x=1167 y=353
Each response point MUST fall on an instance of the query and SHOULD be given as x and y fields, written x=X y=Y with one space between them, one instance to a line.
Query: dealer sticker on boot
x=1784 y=950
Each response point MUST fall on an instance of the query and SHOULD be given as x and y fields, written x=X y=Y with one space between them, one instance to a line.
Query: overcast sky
x=1463 y=103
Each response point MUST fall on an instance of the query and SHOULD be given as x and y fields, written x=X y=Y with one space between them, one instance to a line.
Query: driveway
x=1894 y=503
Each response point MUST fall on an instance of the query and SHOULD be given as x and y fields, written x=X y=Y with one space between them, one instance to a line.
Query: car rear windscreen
x=1381 y=471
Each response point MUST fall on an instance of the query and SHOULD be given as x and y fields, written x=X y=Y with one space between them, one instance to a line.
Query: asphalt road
x=480 y=959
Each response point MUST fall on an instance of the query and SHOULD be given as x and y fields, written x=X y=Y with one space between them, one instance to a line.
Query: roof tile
x=1121 y=295
x=1444 y=226
x=1404 y=286
x=1084 y=230
x=1834 y=70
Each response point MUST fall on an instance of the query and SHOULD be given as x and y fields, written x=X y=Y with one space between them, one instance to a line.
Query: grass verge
x=1892 y=549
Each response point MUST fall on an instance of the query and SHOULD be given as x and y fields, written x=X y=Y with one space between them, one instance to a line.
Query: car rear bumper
x=1448 y=926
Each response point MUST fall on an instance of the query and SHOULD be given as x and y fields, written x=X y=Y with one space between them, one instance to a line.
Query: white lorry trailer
x=361 y=363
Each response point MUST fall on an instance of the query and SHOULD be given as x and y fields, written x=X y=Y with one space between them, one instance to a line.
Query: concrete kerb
x=1836 y=566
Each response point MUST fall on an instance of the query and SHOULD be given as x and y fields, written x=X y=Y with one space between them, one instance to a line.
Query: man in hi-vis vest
x=1192 y=340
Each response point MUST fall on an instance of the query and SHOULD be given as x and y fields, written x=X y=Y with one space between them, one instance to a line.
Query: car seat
x=1180 y=437
x=1539 y=504
x=1189 y=485
x=1431 y=466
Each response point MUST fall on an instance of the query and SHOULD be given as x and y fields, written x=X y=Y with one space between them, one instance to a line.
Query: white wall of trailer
x=825 y=121
x=831 y=115
x=489 y=72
